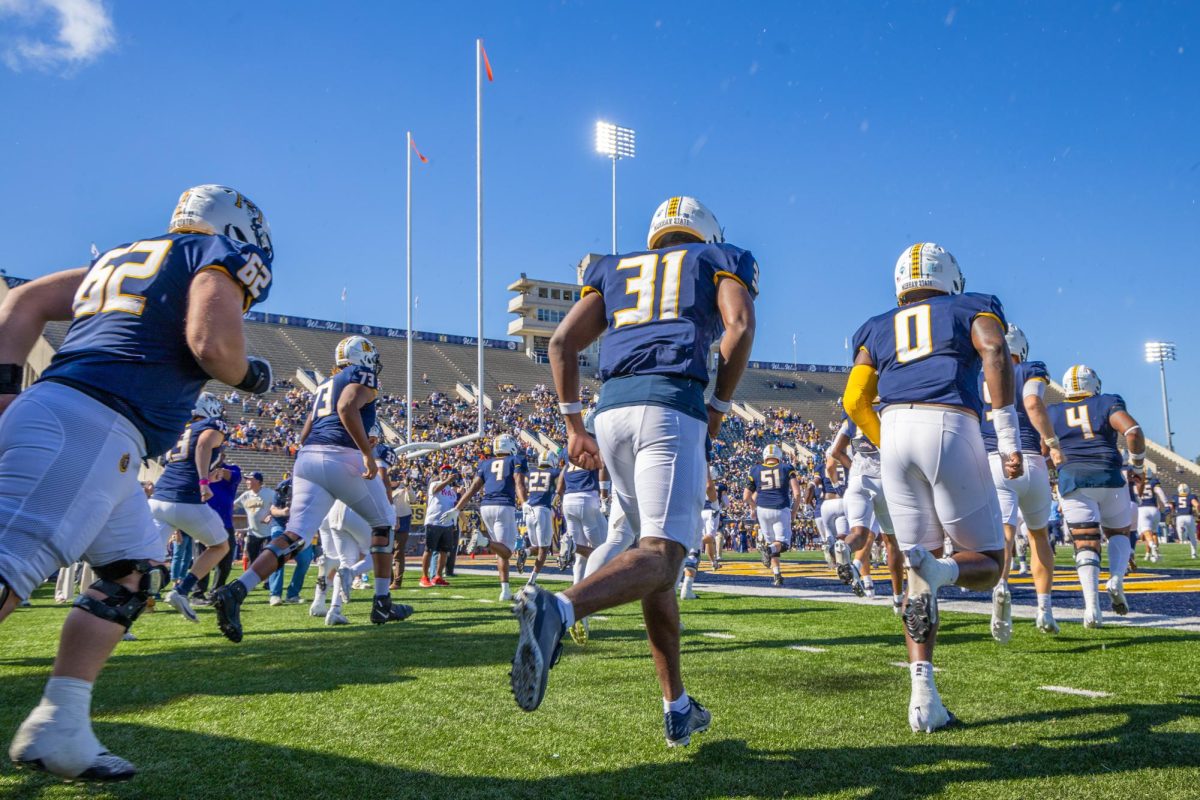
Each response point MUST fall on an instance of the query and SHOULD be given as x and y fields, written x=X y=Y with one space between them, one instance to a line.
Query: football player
x=922 y=360
x=1186 y=507
x=834 y=525
x=1027 y=496
x=710 y=519
x=336 y=462
x=1151 y=503
x=1093 y=490
x=583 y=492
x=180 y=499
x=502 y=479
x=659 y=311
x=151 y=322
x=866 y=515
x=543 y=484
x=774 y=490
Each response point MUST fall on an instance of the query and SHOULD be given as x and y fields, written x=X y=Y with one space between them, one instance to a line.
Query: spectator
x=441 y=532
x=256 y=502
x=402 y=500
x=224 y=482
x=281 y=509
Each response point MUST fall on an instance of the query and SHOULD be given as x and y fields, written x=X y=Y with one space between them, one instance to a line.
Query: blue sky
x=1053 y=148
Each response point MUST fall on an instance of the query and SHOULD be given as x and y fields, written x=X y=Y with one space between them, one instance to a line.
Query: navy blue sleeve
x=729 y=261
x=1115 y=403
x=363 y=376
x=245 y=264
x=1036 y=371
x=983 y=305
x=861 y=340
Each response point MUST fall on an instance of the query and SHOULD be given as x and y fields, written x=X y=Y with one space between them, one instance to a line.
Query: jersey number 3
x=645 y=285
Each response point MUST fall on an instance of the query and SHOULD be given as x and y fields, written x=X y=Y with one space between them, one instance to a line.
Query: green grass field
x=422 y=709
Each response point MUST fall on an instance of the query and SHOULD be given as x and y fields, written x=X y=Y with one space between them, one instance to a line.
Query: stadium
x=462 y=544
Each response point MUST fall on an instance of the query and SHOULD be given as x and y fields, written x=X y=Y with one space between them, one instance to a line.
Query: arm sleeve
x=859 y=400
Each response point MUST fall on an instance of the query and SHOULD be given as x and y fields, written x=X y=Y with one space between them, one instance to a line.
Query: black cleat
x=107 y=768
x=382 y=610
x=227 y=602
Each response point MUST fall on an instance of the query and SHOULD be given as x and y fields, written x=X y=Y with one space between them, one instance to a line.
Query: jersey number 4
x=1078 y=417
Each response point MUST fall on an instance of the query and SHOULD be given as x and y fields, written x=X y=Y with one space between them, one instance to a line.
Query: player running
x=922 y=360
x=1026 y=496
x=152 y=321
x=774 y=490
x=1093 y=490
x=1186 y=507
x=180 y=499
x=543 y=485
x=866 y=515
x=1151 y=504
x=659 y=310
x=502 y=479
x=710 y=520
x=834 y=525
x=336 y=462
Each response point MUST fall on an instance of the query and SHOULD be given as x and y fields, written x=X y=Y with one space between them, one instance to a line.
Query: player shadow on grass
x=922 y=766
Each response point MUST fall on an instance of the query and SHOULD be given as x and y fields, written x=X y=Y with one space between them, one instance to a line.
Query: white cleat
x=318 y=608
x=335 y=617
x=829 y=558
x=687 y=594
x=505 y=594
x=1116 y=593
x=1046 y=622
x=897 y=605
x=1001 y=613
x=181 y=604
x=868 y=589
x=927 y=713
x=1093 y=618
x=63 y=744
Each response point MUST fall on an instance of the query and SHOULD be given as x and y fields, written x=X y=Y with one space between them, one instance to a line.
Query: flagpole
x=408 y=269
x=479 y=224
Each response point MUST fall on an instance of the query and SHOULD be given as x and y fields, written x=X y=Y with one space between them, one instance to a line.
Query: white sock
x=858 y=564
x=318 y=595
x=335 y=602
x=579 y=567
x=1089 y=576
x=897 y=598
x=1118 y=556
x=532 y=578
x=921 y=673
x=382 y=586
x=250 y=580
x=678 y=704
x=867 y=582
x=72 y=695
x=565 y=609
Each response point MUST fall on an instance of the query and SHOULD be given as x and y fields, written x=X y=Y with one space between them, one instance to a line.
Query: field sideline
x=422 y=709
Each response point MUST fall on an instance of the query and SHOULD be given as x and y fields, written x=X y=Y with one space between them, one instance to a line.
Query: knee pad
x=120 y=605
x=382 y=532
x=284 y=553
x=1087 y=558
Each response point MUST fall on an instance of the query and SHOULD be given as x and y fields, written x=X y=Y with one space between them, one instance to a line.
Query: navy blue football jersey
x=180 y=482
x=327 y=426
x=385 y=456
x=923 y=351
x=773 y=485
x=1023 y=373
x=662 y=319
x=542 y=485
x=829 y=487
x=579 y=480
x=1184 y=504
x=1088 y=441
x=499 y=479
x=1149 y=497
x=126 y=346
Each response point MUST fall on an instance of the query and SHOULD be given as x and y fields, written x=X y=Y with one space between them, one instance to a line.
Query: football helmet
x=683 y=215
x=1018 y=345
x=772 y=452
x=376 y=432
x=504 y=444
x=926 y=265
x=358 y=351
x=714 y=472
x=1183 y=489
x=1081 y=381
x=208 y=406
x=214 y=209
x=547 y=459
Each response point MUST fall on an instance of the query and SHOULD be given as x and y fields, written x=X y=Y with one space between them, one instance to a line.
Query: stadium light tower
x=616 y=143
x=1160 y=353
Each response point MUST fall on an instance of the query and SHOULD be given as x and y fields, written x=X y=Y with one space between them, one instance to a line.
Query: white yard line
x=806 y=648
x=1078 y=692
x=717 y=635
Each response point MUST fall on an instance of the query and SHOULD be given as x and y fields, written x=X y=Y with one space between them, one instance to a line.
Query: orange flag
x=487 y=65
x=413 y=142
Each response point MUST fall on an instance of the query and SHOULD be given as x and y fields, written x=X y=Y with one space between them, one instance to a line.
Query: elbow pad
x=859 y=399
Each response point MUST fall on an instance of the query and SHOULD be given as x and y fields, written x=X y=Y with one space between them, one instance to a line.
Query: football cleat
x=897 y=605
x=680 y=725
x=829 y=559
x=383 y=610
x=53 y=740
x=227 y=602
x=335 y=617
x=764 y=552
x=926 y=575
x=505 y=594
x=181 y=604
x=686 y=593
x=1001 y=613
x=927 y=713
x=1116 y=593
x=1046 y=622
x=317 y=609
x=777 y=580
x=580 y=631
x=1093 y=618
x=868 y=587
x=538 y=647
